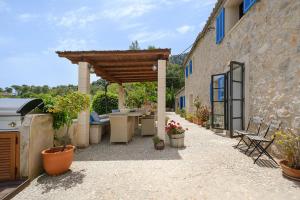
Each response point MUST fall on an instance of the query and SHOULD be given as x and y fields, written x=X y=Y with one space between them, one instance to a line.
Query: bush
x=99 y=103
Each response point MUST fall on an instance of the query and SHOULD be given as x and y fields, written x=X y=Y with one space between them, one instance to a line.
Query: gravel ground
x=208 y=168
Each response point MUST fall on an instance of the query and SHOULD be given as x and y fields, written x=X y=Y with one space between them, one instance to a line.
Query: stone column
x=121 y=97
x=161 y=98
x=84 y=117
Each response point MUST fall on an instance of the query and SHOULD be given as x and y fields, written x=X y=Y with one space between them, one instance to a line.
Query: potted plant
x=203 y=114
x=64 y=109
x=289 y=145
x=176 y=134
x=159 y=144
x=197 y=104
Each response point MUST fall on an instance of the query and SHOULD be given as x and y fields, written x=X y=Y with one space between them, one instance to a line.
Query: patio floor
x=208 y=168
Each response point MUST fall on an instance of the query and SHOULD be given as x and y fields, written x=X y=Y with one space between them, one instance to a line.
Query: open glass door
x=218 y=90
x=236 y=97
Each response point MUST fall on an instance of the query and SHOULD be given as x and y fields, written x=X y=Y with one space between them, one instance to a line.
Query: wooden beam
x=124 y=63
x=134 y=75
x=131 y=72
x=128 y=69
x=107 y=76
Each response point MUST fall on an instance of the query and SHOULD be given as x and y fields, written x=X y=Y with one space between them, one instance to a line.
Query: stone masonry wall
x=267 y=40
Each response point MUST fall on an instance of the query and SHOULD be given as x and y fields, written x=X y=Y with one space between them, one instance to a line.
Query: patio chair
x=261 y=143
x=253 y=128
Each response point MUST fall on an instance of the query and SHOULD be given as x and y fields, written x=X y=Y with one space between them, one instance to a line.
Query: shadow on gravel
x=266 y=163
x=140 y=148
x=65 y=181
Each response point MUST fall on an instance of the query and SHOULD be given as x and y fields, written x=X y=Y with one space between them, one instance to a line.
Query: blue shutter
x=191 y=66
x=186 y=71
x=184 y=101
x=181 y=102
x=220 y=26
x=247 y=5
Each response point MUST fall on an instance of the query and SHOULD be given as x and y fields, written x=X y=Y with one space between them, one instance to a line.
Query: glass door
x=235 y=97
x=218 y=100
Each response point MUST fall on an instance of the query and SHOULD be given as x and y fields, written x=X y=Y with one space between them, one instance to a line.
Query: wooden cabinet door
x=8 y=157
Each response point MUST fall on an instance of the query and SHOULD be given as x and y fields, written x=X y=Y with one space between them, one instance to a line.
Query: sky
x=32 y=30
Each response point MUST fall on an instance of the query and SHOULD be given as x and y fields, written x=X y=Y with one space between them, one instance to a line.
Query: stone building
x=246 y=62
x=180 y=99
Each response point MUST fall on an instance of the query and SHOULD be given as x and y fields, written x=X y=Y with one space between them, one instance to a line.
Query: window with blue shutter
x=248 y=4
x=184 y=101
x=191 y=66
x=186 y=71
x=221 y=89
x=181 y=102
x=220 y=26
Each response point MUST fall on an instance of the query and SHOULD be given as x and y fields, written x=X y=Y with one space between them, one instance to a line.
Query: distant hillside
x=178 y=59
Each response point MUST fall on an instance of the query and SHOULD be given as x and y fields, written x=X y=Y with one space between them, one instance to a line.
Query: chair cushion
x=95 y=117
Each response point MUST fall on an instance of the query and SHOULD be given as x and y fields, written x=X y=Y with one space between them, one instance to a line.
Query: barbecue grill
x=13 y=110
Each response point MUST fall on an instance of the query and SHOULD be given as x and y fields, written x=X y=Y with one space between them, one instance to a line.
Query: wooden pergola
x=120 y=67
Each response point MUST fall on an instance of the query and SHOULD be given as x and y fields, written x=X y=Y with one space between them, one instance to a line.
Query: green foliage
x=289 y=143
x=189 y=116
x=134 y=45
x=66 y=108
x=197 y=103
x=182 y=113
x=139 y=93
x=99 y=102
x=156 y=140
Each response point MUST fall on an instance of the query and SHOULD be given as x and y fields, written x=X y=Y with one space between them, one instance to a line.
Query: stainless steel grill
x=12 y=111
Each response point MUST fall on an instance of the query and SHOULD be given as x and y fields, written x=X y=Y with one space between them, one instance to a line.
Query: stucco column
x=161 y=98
x=83 y=136
x=121 y=97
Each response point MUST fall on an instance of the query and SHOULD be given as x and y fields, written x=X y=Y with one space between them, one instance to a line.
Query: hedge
x=98 y=104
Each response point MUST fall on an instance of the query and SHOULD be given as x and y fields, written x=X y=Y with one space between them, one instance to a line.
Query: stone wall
x=267 y=40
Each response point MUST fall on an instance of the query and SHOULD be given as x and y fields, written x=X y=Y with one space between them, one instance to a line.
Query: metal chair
x=253 y=128
x=261 y=143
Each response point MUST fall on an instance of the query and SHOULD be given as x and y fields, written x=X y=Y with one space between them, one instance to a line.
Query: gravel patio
x=208 y=168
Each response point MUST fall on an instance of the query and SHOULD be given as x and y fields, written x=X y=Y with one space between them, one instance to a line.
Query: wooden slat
x=125 y=63
x=8 y=159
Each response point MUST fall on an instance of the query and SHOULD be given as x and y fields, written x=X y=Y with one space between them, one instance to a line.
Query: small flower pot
x=289 y=172
x=177 y=140
x=160 y=145
x=56 y=161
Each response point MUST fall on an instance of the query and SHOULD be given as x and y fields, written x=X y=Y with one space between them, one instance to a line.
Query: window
x=191 y=66
x=186 y=71
x=247 y=5
x=221 y=89
x=220 y=26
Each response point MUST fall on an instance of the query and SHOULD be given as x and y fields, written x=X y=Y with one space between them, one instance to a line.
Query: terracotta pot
x=160 y=145
x=289 y=172
x=56 y=161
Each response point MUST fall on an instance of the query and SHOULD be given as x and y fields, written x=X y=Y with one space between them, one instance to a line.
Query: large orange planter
x=56 y=161
x=289 y=172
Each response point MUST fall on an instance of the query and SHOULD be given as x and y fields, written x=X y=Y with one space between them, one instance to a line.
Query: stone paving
x=208 y=168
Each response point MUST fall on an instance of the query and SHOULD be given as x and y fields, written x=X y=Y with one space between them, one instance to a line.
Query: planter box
x=177 y=141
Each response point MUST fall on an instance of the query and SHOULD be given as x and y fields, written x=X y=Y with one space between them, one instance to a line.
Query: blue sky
x=32 y=30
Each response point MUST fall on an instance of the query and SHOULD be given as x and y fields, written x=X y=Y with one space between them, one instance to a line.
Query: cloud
x=4 y=6
x=145 y=36
x=128 y=9
x=184 y=29
x=75 y=18
x=26 y=17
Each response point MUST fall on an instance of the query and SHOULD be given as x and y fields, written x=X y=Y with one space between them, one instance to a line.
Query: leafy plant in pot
x=64 y=109
x=197 y=104
x=159 y=144
x=203 y=114
x=176 y=134
x=289 y=144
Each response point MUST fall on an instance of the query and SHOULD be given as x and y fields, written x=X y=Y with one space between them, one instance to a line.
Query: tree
x=8 y=90
x=134 y=45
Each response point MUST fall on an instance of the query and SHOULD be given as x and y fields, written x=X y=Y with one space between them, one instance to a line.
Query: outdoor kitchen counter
x=123 y=126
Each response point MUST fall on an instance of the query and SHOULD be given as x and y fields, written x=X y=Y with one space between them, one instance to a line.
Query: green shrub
x=182 y=113
x=99 y=103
